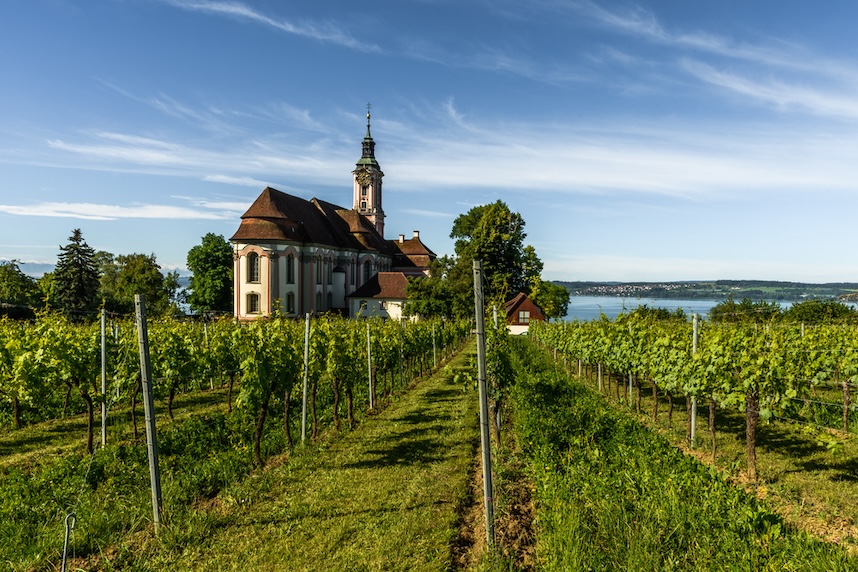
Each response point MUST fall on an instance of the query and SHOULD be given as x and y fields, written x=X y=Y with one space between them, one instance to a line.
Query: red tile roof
x=277 y=216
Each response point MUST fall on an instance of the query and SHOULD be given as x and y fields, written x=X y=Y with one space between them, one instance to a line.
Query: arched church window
x=367 y=271
x=253 y=303
x=290 y=269
x=318 y=270
x=253 y=267
x=290 y=303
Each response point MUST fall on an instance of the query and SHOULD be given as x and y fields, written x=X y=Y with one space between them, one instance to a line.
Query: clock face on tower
x=364 y=178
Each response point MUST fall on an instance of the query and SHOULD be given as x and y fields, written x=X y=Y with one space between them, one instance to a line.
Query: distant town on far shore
x=716 y=290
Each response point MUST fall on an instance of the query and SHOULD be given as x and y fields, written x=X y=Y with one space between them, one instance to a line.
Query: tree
x=75 y=278
x=745 y=311
x=820 y=312
x=552 y=298
x=211 y=284
x=494 y=234
x=17 y=288
x=140 y=274
x=430 y=296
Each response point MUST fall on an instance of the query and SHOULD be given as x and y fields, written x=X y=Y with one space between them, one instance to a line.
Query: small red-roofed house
x=520 y=312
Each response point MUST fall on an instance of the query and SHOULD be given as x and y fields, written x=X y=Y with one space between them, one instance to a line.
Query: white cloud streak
x=95 y=211
x=326 y=32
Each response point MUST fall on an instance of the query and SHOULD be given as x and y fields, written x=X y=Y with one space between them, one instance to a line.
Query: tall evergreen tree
x=76 y=276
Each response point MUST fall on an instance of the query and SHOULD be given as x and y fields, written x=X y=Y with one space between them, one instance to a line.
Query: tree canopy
x=495 y=235
x=17 y=289
x=210 y=288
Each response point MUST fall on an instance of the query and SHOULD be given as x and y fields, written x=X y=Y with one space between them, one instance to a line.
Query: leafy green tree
x=494 y=234
x=212 y=266
x=76 y=278
x=140 y=274
x=17 y=288
x=745 y=311
x=820 y=312
x=552 y=298
x=108 y=271
x=430 y=296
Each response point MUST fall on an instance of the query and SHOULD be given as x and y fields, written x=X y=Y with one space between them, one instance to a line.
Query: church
x=295 y=256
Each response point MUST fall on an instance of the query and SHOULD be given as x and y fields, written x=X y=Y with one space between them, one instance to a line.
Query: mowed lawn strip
x=382 y=497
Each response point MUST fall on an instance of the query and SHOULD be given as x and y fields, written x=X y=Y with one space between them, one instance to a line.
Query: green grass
x=613 y=495
x=384 y=496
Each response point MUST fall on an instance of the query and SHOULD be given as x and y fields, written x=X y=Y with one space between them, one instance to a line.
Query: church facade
x=295 y=256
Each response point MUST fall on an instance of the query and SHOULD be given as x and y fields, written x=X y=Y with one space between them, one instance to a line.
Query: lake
x=586 y=308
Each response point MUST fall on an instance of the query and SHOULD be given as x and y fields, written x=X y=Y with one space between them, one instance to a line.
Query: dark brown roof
x=384 y=285
x=412 y=256
x=277 y=216
x=521 y=301
x=413 y=246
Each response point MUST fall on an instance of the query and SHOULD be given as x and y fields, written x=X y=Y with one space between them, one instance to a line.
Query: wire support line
x=826 y=403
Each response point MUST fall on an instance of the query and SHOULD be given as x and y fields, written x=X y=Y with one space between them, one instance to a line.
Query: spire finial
x=368 y=108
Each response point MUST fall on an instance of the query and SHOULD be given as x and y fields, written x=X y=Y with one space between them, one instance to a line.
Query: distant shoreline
x=715 y=290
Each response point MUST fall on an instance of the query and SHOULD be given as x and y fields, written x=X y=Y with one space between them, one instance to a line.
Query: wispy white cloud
x=785 y=95
x=240 y=181
x=427 y=213
x=95 y=211
x=323 y=32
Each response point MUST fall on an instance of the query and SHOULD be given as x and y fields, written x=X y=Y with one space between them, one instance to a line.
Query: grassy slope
x=385 y=496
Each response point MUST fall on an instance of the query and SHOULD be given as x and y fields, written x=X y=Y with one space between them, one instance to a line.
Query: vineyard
x=786 y=390
x=804 y=374
x=229 y=398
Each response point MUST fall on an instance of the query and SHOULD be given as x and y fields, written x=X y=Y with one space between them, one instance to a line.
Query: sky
x=660 y=140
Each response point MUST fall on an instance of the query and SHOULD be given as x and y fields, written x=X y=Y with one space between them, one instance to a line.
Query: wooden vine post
x=479 y=312
x=149 y=410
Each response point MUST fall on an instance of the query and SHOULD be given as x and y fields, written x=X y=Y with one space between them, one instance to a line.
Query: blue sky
x=659 y=140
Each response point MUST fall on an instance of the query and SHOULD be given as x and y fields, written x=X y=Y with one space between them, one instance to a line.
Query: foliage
x=552 y=298
x=75 y=278
x=820 y=312
x=745 y=311
x=612 y=495
x=210 y=288
x=494 y=234
x=16 y=288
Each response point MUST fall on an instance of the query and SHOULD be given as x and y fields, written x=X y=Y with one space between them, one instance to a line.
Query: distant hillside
x=34 y=269
x=714 y=290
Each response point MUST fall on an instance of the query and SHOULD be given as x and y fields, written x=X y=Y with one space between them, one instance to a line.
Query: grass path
x=385 y=496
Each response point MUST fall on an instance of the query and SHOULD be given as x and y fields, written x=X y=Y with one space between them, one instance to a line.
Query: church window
x=318 y=301
x=367 y=271
x=290 y=303
x=253 y=267
x=330 y=300
x=353 y=272
x=318 y=270
x=290 y=269
x=363 y=205
x=363 y=191
x=329 y=264
x=253 y=303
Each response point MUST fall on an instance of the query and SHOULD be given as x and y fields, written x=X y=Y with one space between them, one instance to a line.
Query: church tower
x=367 y=182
